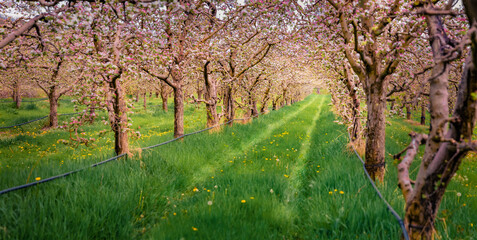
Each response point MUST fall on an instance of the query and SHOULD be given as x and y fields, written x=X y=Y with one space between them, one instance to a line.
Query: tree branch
x=405 y=182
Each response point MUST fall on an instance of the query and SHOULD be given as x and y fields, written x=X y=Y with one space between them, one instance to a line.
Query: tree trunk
x=355 y=106
x=441 y=158
x=408 y=109
x=17 y=95
x=117 y=110
x=423 y=113
x=376 y=126
x=164 y=97
x=210 y=95
x=254 y=108
x=178 y=112
x=93 y=103
x=229 y=104
x=145 y=100
x=53 y=99
x=266 y=98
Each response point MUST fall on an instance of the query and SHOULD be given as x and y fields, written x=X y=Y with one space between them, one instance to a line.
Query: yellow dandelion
x=243 y=201
x=341 y=192
x=285 y=175
x=330 y=192
x=38 y=178
x=194 y=228
x=252 y=198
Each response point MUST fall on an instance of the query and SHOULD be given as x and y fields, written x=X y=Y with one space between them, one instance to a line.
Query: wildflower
x=341 y=192
x=330 y=192
x=174 y=214
x=252 y=198
x=459 y=194
x=195 y=189
x=38 y=178
x=271 y=190
x=243 y=201
x=285 y=175
x=194 y=228
x=209 y=203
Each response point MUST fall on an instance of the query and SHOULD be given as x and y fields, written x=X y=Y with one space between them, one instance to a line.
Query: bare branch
x=405 y=182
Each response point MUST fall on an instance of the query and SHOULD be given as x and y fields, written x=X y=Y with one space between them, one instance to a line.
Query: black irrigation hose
x=58 y=176
x=390 y=208
x=20 y=124
x=38 y=100
x=38 y=119
x=111 y=159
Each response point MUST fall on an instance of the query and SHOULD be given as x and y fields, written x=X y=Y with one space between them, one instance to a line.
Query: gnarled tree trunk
x=117 y=110
x=445 y=146
x=210 y=97
x=17 y=95
x=144 y=100
x=178 y=112
x=355 y=106
x=376 y=128
x=164 y=97
x=229 y=104
x=423 y=113
x=53 y=100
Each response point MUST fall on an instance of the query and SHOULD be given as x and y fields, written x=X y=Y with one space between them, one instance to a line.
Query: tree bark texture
x=164 y=97
x=376 y=130
x=53 y=100
x=178 y=112
x=355 y=105
x=145 y=100
x=423 y=113
x=210 y=97
x=17 y=95
x=229 y=104
x=117 y=110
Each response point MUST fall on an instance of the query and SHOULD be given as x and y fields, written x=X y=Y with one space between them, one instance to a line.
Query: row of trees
x=224 y=50
x=416 y=53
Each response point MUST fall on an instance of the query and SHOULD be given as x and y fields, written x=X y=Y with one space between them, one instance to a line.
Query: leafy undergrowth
x=285 y=175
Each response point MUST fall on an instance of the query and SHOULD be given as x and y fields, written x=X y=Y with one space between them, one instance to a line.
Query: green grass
x=286 y=175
